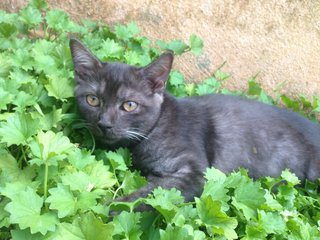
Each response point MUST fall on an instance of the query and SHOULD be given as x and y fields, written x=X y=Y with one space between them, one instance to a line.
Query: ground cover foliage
x=54 y=182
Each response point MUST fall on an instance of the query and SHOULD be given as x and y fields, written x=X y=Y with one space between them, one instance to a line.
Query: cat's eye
x=93 y=100
x=129 y=106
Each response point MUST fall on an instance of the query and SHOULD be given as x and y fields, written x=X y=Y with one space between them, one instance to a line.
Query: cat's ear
x=83 y=59
x=157 y=73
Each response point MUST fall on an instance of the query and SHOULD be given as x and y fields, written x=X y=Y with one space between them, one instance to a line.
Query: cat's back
x=246 y=131
x=250 y=114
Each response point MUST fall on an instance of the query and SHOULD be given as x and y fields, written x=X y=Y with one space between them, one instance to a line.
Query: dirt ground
x=279 y=39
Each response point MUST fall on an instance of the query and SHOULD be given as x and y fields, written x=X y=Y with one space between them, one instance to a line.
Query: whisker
x=137 y=130
x=136 y=135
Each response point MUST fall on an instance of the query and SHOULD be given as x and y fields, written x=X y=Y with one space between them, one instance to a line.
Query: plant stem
x=116 y=192
x=24 y=157
x=45 y=184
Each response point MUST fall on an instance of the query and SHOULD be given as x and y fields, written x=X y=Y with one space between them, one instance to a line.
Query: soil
x=277 y=39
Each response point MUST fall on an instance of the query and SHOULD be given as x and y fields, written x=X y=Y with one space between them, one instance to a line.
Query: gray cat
x=174 y=140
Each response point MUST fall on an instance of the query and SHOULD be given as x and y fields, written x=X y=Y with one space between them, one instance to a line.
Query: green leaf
x=176 y=45
x=87 y=200
x=176 y=84
x=5 y=99
x=287 y=196
x=39 y=4
x=117 y=161
x=301 y=230
x=25 y=210
x=210 y=85
x=93 y=227
x=4 y=216
x=244 y=201
x=25 y=235
x=7 y=17
x=30 y=16
x=110 y=50
x=134 y=58
x=185 y=214
x=11 y=190
x=175 y=233
x=9 y=169
x=96 y=176
x=100 y=175
x=271 y=203
x=127 y=225
x=48 y=148
x=59 y=87
x=272 y=222
x=80 y=158
x=204 y=89
x=7 y=29
x=62 y=200
x=126 y=155
x=149 y=229
x=20 y=78
x=132 y=181
x=126 y=32
x=217 y=191
x=68 y=231
x=85 y=227
x=42 y=55
x=77 y=181
x=68 y=203
x=165 y=202
x=211 y=214
x=255 y=232
x=213 y=82
x=196 y=44
x=213 y=174
x=18 y=128
x=290 y=103
x=176 y=78
x=291 y=178
x=5 y=67
x=51 y=119
x=254 y=88
x=221 y=75
x=58 y=20
x=24 y=100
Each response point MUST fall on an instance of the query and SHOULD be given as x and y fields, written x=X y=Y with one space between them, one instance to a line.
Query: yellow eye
x=129 y=106
x=93 y=100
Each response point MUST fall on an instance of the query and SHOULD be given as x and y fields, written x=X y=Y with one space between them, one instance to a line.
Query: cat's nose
x=104 y=125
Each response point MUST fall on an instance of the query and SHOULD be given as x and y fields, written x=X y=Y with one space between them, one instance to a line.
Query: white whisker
x=134 y=135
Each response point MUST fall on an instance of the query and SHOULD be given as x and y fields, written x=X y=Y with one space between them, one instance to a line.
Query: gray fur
x=174 y=140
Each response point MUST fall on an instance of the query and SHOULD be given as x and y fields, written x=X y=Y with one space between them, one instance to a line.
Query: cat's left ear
x=157 y=73
x=83 y=59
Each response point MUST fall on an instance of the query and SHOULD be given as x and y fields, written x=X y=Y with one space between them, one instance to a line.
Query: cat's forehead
x=116 y=72
x=118 y=80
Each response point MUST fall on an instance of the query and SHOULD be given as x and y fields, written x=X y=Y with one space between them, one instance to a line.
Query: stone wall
x=279 y=39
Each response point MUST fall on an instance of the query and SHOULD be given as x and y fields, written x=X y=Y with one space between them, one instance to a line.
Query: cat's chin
x=112 y=143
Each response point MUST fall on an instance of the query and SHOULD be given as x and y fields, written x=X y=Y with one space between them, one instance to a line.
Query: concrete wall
x=279 y=39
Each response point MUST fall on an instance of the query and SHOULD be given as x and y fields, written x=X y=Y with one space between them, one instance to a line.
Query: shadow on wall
x=279 y=39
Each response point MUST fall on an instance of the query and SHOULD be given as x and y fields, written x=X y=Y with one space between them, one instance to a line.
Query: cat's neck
x=167 y=114
x=169 y=102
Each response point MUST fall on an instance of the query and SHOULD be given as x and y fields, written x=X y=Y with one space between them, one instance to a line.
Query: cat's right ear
x=83 y=59
x=157 y=72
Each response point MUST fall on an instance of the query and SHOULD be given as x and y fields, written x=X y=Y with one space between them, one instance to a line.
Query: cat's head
x=120 y=102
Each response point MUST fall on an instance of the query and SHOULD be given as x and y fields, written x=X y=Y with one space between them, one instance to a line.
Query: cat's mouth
x=111 y=141
x=112 y=137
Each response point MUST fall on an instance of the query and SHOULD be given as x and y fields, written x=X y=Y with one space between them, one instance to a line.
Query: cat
x=174 y=140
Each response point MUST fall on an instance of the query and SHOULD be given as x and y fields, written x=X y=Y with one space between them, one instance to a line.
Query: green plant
x=53 y=182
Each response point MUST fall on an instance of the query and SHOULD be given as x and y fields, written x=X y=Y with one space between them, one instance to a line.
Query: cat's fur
x=174 y=140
